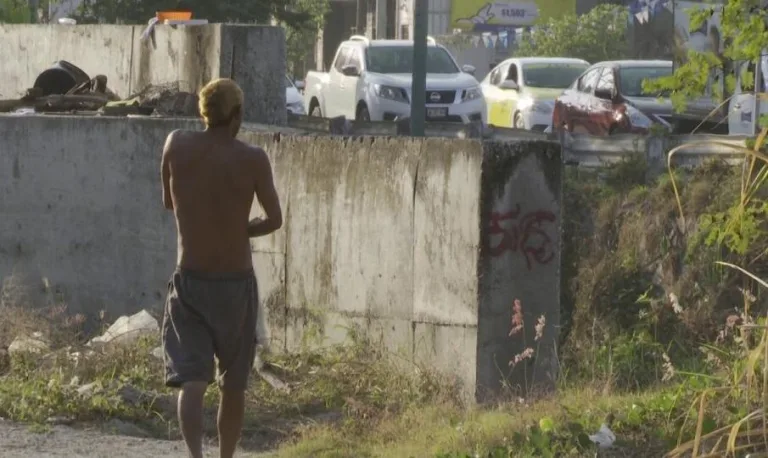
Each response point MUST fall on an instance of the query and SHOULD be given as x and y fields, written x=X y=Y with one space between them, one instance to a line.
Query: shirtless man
x=209 y=180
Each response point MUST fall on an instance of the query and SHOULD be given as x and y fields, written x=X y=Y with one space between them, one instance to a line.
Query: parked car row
x=569 y=95
x=370 y=80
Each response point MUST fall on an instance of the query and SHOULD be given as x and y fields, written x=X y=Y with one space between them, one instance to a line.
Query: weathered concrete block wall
x=191 y=55
x=423 y=244
x=521 y=247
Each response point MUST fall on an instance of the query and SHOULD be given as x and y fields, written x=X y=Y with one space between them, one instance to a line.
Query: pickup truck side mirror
x=509 y=85
x=469 y=69
x=350 y=70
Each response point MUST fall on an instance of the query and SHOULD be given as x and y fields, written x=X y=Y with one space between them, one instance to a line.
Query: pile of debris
x=161 y=99
x=65 y=88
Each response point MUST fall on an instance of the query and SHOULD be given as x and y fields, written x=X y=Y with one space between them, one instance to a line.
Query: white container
x=67 y=21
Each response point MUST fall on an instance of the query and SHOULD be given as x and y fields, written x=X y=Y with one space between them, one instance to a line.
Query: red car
x=608 y=98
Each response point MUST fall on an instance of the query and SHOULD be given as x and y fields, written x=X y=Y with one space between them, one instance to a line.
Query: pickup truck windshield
x=399 y=59
x=551 y=75
x=631 y=80
x=288 y=82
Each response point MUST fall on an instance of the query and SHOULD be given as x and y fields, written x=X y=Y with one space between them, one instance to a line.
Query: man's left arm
x=165 y=172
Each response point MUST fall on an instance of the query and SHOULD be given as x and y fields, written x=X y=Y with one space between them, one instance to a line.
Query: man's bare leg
x=230 y=420
x=190 y=409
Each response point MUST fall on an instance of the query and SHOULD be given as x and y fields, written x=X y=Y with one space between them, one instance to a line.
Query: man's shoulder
x=253 y=152
x=181 y=135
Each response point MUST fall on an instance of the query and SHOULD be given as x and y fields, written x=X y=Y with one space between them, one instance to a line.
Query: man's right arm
x=267 y=197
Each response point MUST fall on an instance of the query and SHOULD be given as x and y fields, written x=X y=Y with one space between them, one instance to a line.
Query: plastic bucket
x=173 y=16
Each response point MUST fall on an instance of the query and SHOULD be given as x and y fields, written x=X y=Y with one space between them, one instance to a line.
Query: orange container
x=173 y=15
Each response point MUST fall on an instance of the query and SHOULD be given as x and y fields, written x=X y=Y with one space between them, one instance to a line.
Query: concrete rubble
x=28 y=344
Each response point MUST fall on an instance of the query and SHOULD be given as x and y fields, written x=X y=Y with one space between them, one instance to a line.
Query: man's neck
x=220 y=131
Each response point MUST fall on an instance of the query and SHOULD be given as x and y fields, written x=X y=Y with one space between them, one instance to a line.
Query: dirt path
x=19 y=441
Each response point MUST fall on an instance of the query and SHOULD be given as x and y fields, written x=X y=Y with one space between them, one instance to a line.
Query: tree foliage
x=242 y=11
x=744 y=34
x=14 y=12
x=596 y=36
x=301 y=40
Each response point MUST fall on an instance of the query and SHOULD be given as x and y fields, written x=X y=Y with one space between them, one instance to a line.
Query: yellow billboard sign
x=490 y=16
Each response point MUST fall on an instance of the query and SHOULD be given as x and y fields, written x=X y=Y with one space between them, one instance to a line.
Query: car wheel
x=316 y=112
x=518 y=122
x=616 y=129
x=363 y=114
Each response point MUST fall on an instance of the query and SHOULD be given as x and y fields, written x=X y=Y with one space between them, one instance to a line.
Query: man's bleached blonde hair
x=220 y=101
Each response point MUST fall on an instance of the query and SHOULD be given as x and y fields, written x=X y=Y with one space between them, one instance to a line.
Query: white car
x=293 y=99
x=370 y=80
x=521 y=92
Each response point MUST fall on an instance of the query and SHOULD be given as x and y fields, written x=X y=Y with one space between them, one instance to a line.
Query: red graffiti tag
x=526 y=235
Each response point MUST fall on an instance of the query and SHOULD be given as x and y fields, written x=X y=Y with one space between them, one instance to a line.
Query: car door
x=601 y=115
x=741 y=105
x=510 y=96
x=348 y=90
x=583 y=101
x=334 y=102
x=495 y=96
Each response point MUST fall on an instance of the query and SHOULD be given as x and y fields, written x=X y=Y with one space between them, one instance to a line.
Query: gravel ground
x=18 y=441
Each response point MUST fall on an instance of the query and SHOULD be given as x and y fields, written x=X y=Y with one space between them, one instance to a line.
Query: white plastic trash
x=128 y=328
x=67 y=21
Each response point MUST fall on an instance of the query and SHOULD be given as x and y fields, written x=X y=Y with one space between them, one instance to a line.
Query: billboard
x=489 y=16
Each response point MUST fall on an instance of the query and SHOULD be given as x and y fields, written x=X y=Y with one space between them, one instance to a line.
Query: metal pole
x=758 y=90
x=419 y=82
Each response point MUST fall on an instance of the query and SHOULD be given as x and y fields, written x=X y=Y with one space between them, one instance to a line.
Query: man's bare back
x=210 y=187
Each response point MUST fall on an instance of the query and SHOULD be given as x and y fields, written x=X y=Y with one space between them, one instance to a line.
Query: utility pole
x=361 y=17
x=758 y=89
x=419 y=81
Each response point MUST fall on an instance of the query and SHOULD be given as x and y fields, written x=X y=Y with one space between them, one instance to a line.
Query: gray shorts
x=207 y=315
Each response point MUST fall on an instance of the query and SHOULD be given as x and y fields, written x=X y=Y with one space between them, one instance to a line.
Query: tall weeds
x=739 y=398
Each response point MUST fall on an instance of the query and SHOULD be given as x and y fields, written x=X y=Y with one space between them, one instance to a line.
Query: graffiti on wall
x=524 y=233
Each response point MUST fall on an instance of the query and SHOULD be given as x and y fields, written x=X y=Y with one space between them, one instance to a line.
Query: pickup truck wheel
x=363 y=114
x=316 y=112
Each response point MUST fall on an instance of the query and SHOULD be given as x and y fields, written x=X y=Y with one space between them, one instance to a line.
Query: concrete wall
x=191 y=55
x=417 y=242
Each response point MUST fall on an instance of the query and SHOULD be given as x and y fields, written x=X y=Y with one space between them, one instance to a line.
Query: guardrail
x=578 y=149
x=589 y=151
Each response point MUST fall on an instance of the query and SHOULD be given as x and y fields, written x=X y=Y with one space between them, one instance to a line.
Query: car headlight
x=391 y=93
x=638 y=119
x=538 y=106
x=470 y=94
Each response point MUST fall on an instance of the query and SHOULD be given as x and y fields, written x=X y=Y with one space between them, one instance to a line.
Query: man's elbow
x=278 y=222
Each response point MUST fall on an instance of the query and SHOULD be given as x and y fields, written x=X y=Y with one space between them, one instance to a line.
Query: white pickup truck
x=370 y=80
